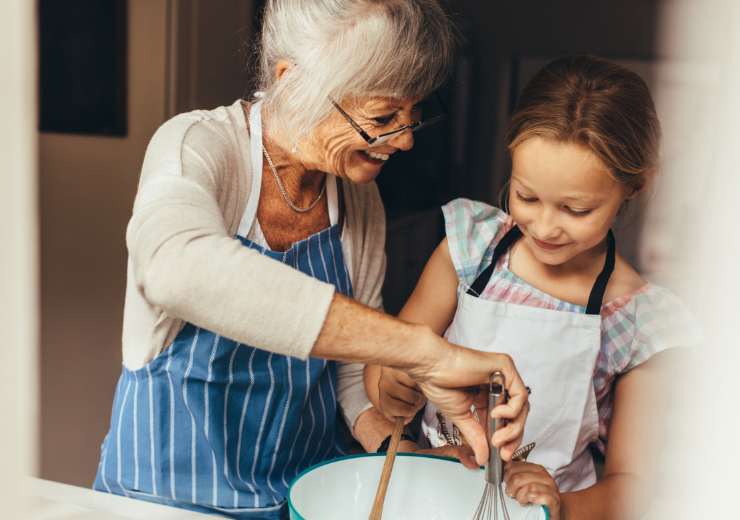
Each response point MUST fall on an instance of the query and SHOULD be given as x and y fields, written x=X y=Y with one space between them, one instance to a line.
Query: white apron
x=555 y=353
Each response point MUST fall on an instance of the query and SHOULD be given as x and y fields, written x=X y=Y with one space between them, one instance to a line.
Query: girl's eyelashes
x=524 y=198
x=577 y=212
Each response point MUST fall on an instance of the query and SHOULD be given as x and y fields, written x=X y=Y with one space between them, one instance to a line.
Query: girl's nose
x=547 y=225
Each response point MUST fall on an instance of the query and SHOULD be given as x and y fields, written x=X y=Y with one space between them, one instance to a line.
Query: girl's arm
x=633 y=442
x=434 y=299
x=433 y=304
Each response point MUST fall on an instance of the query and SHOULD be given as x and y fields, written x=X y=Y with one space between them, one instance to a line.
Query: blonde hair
x=348 y=48
x=598 y=104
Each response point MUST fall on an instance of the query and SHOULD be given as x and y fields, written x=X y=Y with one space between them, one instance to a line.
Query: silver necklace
x=284 y=192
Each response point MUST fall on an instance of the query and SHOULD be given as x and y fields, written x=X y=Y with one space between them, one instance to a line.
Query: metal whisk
x=494 y=498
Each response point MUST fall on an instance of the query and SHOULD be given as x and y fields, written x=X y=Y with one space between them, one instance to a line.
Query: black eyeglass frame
x=384 y=137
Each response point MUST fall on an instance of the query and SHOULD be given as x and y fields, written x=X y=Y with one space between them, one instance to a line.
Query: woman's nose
x=403 y=141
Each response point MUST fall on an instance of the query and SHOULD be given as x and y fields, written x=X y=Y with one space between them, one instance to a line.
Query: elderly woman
x=256 y=259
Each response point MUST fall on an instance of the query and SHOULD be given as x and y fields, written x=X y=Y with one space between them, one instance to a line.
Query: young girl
x=541 y=280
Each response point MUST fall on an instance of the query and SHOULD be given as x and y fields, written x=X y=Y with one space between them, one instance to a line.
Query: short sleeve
x=661 y=322
x=473 y=229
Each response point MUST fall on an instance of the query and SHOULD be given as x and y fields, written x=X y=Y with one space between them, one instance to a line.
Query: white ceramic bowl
x=421 y=488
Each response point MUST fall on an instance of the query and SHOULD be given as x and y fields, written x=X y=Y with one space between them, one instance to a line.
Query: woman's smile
x=375 y=158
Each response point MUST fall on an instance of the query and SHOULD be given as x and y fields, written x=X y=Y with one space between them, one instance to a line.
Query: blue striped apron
x=216 y=426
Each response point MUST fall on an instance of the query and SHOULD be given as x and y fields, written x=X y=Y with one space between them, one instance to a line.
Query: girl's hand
x=399 y=395
x=531 y=484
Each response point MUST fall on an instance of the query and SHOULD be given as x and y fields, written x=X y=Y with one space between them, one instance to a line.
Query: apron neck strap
x=480 y=283
x=595 y=299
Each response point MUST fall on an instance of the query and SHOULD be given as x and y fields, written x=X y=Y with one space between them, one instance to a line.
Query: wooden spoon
x=385 y=476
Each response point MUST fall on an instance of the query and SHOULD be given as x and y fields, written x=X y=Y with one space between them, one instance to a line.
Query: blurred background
x=109 y=73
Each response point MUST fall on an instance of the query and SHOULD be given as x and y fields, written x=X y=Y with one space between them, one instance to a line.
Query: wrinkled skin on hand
x=453 y=383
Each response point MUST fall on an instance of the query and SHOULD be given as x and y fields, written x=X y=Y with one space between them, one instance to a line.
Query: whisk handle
x=496 y=396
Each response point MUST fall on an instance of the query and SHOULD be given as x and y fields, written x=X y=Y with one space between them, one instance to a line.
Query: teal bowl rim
x=294 y=511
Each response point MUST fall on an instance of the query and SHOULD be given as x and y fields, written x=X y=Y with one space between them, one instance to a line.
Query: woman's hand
x=531 y=484
x=399 y=395
x=462 y=453
x=444 y=380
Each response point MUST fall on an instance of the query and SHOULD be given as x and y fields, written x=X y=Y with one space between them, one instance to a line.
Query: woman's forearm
x=615 y=497
x=353 y=332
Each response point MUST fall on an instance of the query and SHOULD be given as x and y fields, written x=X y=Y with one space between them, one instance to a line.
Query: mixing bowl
x=422 y=487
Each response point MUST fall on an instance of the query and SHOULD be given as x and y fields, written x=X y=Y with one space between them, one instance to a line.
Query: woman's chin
x=363 y=179
x=361 y=174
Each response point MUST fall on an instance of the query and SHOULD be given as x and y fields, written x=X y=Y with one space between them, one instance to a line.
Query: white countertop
x=56 y=501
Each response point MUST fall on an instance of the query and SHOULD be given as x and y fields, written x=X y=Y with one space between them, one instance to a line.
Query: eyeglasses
x=387 y=136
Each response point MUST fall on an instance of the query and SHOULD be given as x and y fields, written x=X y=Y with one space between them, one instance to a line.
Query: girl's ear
x=646 y=182
x=634 y=193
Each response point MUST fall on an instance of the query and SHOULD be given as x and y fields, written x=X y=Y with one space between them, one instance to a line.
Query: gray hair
x=343 y=48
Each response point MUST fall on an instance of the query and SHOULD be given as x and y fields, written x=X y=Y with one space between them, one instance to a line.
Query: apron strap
x=480 y=283
x=595 y=299
x=254 y=127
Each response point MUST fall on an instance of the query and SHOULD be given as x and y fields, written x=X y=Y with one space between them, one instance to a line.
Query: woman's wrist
x=415 y=347
x=429 y=350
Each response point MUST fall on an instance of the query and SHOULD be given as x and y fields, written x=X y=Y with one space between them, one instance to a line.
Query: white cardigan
x=185 y=264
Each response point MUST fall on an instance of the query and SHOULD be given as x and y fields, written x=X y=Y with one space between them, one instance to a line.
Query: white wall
x=18 y=253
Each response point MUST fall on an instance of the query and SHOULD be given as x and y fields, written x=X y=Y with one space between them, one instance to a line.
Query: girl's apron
x=555 y=353
x=217 y=426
